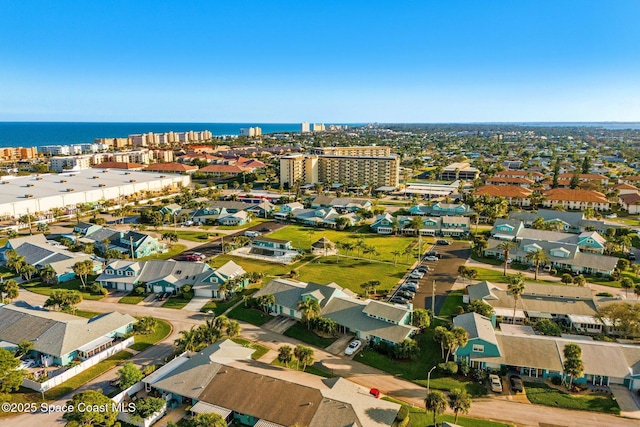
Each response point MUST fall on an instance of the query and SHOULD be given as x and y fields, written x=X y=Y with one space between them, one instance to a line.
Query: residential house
x=39 y=252
x=223 y=379
x=323 y=217
x=369 y=320
x=440 y=209
x=172 y=167
x=60 y=338
x=633 y=180
x=238 y=218
x=341 y=204
x=274 y=249
x=532 y=175
x=515 y=195
x=519 y=181
x=154 y=275
x=131 y=243
x=625 y=189
x=208 y=284
x=630 y=203
x=263 y=209
x=384 y=224
x=536 y=356
x=172 y=209
x=563 y=221
x=564 y=180
x=576 y=199
x=455 y=226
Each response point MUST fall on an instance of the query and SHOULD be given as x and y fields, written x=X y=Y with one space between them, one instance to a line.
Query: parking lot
x=444 y=272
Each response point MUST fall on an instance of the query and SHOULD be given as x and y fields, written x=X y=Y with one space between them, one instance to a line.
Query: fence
x=127 y=417
x=71 y=372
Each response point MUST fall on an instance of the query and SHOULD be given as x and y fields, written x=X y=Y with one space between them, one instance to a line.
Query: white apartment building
x=251 y=132
x=364 y=150
x=305 y=128
x=60 y=164
x=318 y=127
x=55 y=150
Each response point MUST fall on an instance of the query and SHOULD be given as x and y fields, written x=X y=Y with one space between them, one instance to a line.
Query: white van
x=251 y=233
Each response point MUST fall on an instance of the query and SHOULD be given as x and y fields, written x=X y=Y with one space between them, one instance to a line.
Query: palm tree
x=459 y=401
x=435 y=402
x=15 y=262
x=303 y=355
x=537 y=257
x=285 y=355
x=416 y=224
x=10 y=288
x=48 y=274
x=516 y=288
x=359 y=244
x=396 y=254
x=233 y=328
x=265 y=301
x=27 y=271
x=188 y=341
x=310 y=309
x=506 y=247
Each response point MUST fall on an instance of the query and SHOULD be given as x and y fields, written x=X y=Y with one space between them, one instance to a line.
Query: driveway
x=628 y=401
x=279 y=324
x=196 y=304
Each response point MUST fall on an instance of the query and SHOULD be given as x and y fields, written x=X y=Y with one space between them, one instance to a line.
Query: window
x=478 y=348
x=119 y=272
x=129 y=273
x=109 y=271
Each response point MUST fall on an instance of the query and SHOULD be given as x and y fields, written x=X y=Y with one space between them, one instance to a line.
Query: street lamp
x=429 y=379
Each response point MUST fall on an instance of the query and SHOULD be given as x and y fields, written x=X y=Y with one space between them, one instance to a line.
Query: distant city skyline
x=322 y=62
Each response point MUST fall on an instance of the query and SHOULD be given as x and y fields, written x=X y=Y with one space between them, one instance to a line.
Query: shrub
x=604 y=294
x=463 y=367
x=139 y=290
x=556 y=380
x=458 y=310
x=98 y=221
x=450 y=368
x=403 y=413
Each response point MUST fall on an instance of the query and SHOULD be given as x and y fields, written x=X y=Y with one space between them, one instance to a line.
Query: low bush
x=556 y=380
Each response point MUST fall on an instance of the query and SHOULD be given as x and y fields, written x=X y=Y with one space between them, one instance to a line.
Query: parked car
x=27 y=363
x=416 y=275
x=431 y=258
x=422 y=269
x=406 y=294
x=196 y=256
x=496 y=383
x=399 y=300
x=353 y=347
x=115 y=382
x=252 y=233
x=631 y=257
x=442 y=242
x=187 y=223
x=410 y=288
x=265 y=229
x=432 y=252
x=375 y=392
x=516 y=383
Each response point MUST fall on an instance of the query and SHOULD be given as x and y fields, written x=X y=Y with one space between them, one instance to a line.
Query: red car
x=375 y=393
x=196 y=256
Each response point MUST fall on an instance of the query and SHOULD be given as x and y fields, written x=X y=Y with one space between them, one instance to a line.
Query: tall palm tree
x=516 y=288
x=189 y=340
x=435 y=402
x=310 y=309
x=48 y=274
x=506 y=247
x=459 y=401
x=396 y=254
x=538 y=257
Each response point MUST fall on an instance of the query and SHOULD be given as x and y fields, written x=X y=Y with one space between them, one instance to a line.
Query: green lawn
x=249 y=315
x=43 y=289
x=309 y=369
x=260 y=350
x=86 y=314
x=178 y=302
x=142 y=342
x=542 y=394
x=615 y=283
x=453 y=300
x=418 y=417
x=23 y=395
x=219 y=307
x=98 y=369
x=300 y=332
x=416 y=370
x=302 y=237
x=173 y=251
x=131 y=299
x=497 y=277
x=351 y=273
x=254 y=265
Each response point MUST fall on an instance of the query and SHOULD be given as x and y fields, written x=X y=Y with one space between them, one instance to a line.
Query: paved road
x=520 y=414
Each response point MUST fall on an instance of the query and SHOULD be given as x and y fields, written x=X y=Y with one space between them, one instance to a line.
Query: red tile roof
x=503 y=191
x=631 y=199
x=218 y=168
x=509 y=180
x=118 y=165
x=565 y=194
x=171 y=167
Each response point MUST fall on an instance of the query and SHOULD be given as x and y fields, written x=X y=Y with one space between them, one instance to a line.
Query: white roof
x=207 y=408
x=95 y=344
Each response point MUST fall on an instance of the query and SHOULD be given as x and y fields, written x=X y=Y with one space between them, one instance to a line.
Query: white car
x=496 y=383
x=416 y=275
x=26 y=364
x=353 y=347
x=431 y=258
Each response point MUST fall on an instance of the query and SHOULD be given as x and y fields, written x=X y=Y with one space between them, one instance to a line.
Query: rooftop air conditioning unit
x=102 y=185
x=127 y=173
x=39 y=178
x=69 y=190
x=28 y=196
x=62 y=181
x=95 y=177
x=132 y=180
x=29 y=185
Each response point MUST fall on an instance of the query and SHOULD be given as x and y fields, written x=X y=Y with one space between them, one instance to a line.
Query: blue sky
x=322 y=61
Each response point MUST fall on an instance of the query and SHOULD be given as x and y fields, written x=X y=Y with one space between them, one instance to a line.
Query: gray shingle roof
x=386 y=311
x=477 y=326
x=55 y=334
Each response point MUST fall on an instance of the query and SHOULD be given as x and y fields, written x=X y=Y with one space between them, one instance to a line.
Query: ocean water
x=30 y=134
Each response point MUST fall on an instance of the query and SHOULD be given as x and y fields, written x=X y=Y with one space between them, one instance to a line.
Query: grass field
x=86 y=314
x=416 y=370
x=219 y=307
x=260 y=350
x=453 y=300
x=175 y=250
x=302 y=237
x=23 y=395
x=300 y=332
x=309 y=369
x=249 y=315
x=43 y=289
x=418 y=417
x=253 y=223
x=131 y=299
x=351 y=273
x=178 y=302
x=193 y=236
x=254 y=265
x=542 y=394
x=98 y=369
x=142 y=342
x=497 y=277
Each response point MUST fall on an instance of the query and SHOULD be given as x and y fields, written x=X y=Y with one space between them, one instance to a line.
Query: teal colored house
x=60 y=338
x=383 y=224
x=482 y=340
x=440 y=209
x=208 y=284
x=591 y=241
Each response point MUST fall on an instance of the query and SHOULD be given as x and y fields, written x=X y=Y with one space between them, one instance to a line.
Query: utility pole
x=433 y=299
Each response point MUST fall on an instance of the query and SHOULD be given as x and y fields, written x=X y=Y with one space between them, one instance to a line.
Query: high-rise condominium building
x=298 y=167
x=305 y=128
x=318 y=127
x=365 y=150
x=251 y=132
